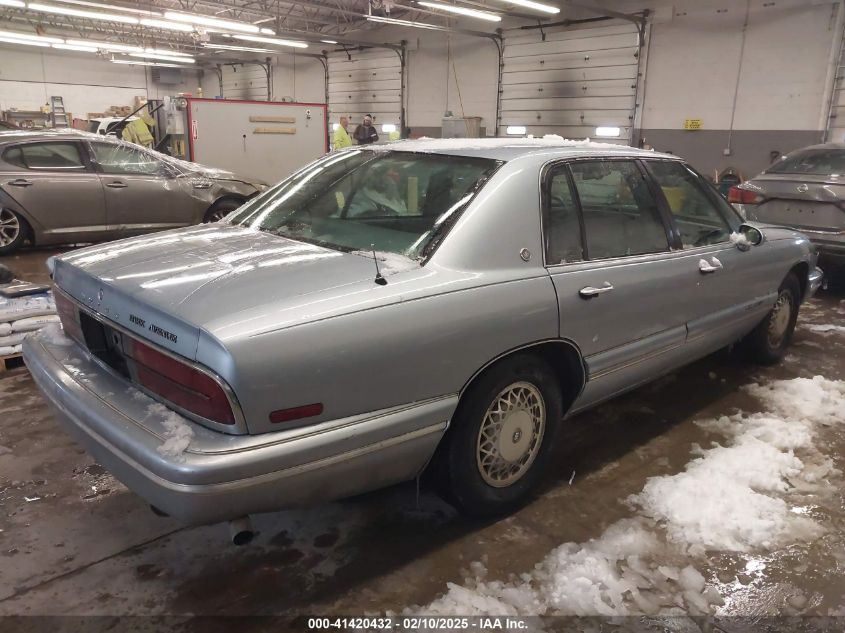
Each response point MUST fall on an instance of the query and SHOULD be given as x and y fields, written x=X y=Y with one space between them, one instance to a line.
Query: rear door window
x=46 y=156
x=561 y=219
x=698 y=220
x=620 y=214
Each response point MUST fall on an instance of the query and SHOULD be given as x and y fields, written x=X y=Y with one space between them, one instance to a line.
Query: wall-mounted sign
x=693 y=124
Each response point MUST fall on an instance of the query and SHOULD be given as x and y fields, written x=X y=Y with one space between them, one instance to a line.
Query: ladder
x=57 y=107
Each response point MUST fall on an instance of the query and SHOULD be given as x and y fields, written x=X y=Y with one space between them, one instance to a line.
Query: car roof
x=820 y=146
x=510 y=148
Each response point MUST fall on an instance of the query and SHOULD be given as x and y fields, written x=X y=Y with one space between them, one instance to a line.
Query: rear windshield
x=396 y=202
x=818 y=162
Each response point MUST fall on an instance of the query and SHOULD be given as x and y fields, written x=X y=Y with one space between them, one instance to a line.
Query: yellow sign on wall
x=693 y=124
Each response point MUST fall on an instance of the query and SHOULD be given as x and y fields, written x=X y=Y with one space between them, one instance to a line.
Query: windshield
x=396 y=202
x=817 y=162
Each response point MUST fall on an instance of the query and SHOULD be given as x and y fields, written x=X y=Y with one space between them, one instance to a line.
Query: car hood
x=226 y=280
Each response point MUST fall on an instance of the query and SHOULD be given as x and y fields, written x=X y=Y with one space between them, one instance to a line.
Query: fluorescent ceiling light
x=335 y=126
x=529 y=4
x=416 y=25
x=169 y=58
x=34 y=38
x=328 y=41
x=267 y=31
x=270 y=40
x=229 y=47
x=470 y=13
x=158 y=51
x=204 y=20
x=110 y=7
x=608 y=132
x=9 y=40
x=132 y=62
x=74 y=47
x=81 y=13
x=387 y=128
x=167 y=24
x=12 y=3
x=108 y=46
x=516 y=130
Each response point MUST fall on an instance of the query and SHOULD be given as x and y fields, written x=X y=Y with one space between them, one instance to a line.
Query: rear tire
x=499 y=440
x=221 y=209
x=768 y=342
x=13 y=231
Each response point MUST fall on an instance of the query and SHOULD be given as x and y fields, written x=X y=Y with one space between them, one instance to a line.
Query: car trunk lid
x=805 y=202
x=170 y=286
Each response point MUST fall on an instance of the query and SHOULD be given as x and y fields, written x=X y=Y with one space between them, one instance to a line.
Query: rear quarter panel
x=424 y=346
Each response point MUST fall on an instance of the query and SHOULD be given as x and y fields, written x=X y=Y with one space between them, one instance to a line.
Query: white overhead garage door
x=245 y=81
x=368 y=83
x=578 y=79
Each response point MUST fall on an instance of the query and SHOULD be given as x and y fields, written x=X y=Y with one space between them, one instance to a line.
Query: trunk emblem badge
x=802 y=188
x=100 y=295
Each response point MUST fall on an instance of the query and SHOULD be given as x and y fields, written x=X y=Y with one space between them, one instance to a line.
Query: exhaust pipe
x=241 y=531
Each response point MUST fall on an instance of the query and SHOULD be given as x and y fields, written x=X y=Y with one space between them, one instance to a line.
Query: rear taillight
x=738 y=195
x=69 y=316
x=180 y=384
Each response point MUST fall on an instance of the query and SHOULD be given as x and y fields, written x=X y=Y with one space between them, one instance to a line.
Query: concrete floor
x=73 y=540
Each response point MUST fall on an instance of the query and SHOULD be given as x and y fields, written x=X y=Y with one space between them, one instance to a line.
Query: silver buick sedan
x=427 y=304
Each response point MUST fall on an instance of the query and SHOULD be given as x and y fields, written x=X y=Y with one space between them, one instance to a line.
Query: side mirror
x=748 y=236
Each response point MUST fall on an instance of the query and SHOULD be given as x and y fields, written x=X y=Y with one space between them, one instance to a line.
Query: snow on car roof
x=505 y=148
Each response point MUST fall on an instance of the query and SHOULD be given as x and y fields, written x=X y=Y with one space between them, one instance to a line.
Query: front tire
x=221 y=209
x=13 y=231
x=500 y=437
x=768 y=342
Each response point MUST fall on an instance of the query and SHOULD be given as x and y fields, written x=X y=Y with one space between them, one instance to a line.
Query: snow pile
x=729 y=497
x=177 y=432
x=613 y=575
x=824 y=329
x=740 y=239
x=446 y=144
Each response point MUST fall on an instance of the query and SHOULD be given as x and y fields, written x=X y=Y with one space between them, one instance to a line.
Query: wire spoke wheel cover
x=511 y=434
x=10 y=227
x=779 y=320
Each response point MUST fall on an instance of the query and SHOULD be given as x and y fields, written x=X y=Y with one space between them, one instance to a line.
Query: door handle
x=20 y=182
x=588 y=292
x=712 y=266
x=117 y=184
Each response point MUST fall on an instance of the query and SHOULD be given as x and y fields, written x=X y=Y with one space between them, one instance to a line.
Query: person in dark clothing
x=366 y=132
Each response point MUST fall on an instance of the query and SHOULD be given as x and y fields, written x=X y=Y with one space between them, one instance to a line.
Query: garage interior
x=655 y=508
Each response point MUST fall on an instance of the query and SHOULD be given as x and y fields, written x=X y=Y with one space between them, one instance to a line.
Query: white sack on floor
x=7 y=351
x=34 y=323
x=16 y=308
x=5 y=329
x=13 y=339
x=17 y=349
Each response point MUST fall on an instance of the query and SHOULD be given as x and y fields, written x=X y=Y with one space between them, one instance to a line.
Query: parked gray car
x=270 y=359
x=804 y=190
x=67 y=186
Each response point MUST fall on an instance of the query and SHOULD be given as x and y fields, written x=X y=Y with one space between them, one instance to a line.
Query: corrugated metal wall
x=578 y=79
x=247 y=81
x=368 y=83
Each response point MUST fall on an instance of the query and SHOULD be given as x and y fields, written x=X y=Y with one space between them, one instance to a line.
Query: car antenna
x=380 y=280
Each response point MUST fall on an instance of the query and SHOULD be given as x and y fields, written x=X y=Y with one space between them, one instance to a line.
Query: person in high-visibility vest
x=341 y=135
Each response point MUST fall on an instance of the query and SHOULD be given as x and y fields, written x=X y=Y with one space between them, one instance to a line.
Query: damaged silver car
x=67 y=186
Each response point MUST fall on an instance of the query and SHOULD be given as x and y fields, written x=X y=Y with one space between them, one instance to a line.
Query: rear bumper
x=218 y=476
x=830 y=246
